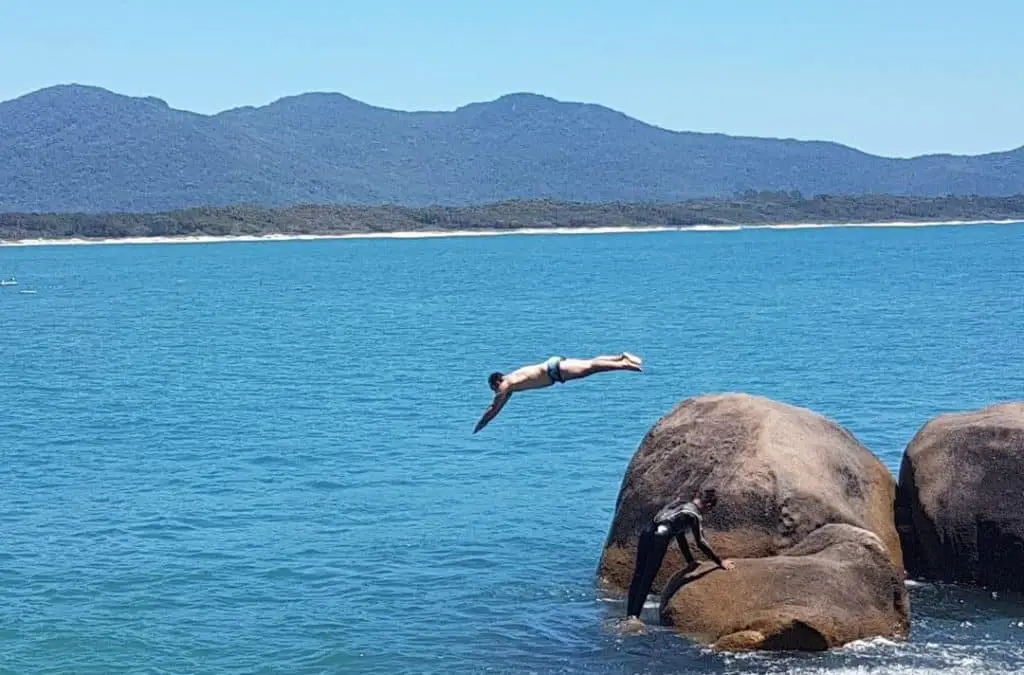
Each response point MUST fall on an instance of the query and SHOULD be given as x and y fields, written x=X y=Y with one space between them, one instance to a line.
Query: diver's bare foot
x=636 y=360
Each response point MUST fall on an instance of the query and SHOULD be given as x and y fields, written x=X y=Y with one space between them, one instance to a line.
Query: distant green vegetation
x=752 y=208
x=80 y=148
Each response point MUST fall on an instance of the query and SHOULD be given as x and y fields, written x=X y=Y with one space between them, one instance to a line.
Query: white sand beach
x=208 y=239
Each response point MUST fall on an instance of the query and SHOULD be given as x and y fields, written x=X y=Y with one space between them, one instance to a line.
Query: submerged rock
x=960 y=499
x=782 y=473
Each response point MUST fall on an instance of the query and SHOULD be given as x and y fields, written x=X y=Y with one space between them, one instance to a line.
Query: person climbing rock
x=671 y=522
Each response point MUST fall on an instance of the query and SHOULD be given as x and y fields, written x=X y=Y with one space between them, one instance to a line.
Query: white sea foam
x=870 y=643
x=878 y=656
x=209 y=239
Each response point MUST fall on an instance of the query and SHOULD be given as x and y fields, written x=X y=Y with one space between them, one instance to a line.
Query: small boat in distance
x=8 y=282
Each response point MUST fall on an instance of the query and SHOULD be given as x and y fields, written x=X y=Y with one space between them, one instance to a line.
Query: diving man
x=671 y=522
x=555 y=369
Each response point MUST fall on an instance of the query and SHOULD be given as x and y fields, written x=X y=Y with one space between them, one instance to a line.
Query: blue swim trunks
x=554 y=372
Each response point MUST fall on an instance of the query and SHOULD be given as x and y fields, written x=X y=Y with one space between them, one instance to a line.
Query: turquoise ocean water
x=256 y=457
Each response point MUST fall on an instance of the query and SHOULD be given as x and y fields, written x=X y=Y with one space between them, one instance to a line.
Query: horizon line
x=511 y=94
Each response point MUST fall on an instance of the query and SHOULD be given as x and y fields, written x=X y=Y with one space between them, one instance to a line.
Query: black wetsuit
x=671 y=522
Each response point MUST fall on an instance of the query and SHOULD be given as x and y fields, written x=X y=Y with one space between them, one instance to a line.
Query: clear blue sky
x=894 y=77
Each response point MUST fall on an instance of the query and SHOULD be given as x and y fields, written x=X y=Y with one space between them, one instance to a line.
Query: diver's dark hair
x=708 y=498
x=494 y=379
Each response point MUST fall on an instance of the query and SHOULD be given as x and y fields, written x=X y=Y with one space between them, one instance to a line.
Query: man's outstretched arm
x=684 y=547
x=705 y=547
x=496 y=405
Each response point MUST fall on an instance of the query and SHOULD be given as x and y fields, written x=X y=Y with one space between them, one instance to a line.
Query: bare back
x=534 y=376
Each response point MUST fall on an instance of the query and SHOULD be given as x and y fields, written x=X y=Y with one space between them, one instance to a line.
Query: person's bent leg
x=650 y=553
x=643 y=550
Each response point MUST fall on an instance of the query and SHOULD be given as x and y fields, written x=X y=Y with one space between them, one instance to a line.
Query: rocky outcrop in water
x=835 y=586
x=782 y=474
x=960 y=499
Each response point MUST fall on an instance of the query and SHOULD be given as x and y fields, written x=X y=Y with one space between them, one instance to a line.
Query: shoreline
x=434 y=234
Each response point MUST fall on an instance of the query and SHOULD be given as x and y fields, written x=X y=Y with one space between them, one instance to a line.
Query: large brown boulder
x=836 y=586
x=960 y=500
x=782 y=473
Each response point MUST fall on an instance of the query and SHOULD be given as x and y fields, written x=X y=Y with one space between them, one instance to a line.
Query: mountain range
x=76 y=148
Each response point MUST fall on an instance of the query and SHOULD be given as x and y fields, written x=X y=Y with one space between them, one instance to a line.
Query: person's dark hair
x=494 y=379
x=708 y=498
